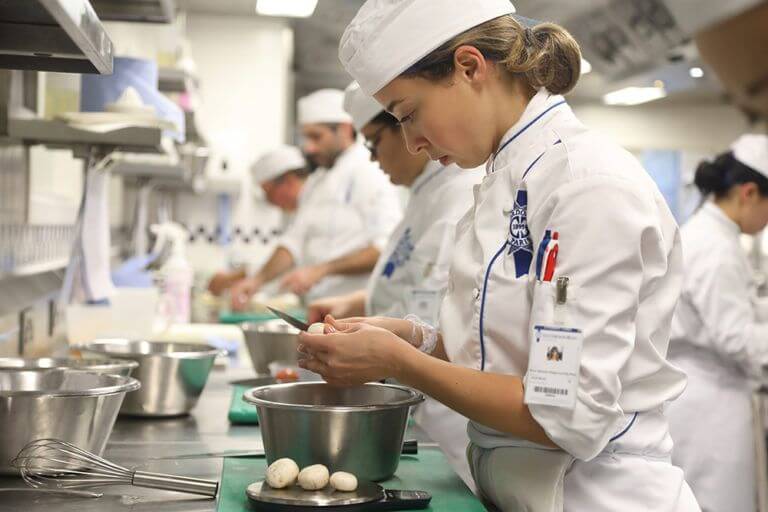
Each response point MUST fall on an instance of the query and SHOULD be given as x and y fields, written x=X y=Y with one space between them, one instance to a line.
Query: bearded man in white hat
x=345 y=215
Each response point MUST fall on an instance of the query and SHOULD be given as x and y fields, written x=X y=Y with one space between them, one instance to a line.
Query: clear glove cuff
x=428 y=334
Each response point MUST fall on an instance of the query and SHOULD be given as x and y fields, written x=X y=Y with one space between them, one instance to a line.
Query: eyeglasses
x=372 y=143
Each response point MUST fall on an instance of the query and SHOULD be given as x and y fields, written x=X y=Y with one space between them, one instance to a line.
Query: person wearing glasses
x=412 y=272
x=346 y=211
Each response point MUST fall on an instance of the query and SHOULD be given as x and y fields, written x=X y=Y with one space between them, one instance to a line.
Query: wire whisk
x=56 y=464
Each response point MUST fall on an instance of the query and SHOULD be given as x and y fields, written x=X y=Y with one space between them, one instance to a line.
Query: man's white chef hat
x=362 y=107
x=386 y=37
x=277 y=162
x=751 y=150
x=322 y=106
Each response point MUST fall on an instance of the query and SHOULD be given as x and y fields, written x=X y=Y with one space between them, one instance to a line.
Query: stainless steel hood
x=145 y=11
x=53 y=35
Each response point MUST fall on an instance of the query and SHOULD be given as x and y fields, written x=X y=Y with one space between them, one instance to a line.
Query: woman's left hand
x=355 y=354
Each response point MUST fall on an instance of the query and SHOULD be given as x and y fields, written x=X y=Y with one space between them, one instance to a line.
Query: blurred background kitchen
x=128 y=128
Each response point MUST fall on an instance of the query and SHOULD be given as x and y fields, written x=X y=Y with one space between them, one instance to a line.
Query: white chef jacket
x=619 y=245
x=341 y=210
x=414 y=267
x=419 y=250
x=718 y=339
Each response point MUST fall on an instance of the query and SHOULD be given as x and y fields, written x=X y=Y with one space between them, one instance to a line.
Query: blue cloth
x=97 y=91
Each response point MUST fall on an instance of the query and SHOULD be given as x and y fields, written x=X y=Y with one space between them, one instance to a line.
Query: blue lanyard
x=520 y=132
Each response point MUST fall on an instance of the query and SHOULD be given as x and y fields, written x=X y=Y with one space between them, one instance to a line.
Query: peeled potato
x=313 y=478
x=343 y=481
x=316 y=328
x=282 y=473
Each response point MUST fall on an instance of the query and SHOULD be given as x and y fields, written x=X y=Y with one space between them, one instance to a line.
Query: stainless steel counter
x=134 y=441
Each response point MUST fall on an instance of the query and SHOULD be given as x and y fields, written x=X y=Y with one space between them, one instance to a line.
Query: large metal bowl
x=358 y=429
x=122 y=367
x=172 y=375
x=72 y=405
x=270 y=341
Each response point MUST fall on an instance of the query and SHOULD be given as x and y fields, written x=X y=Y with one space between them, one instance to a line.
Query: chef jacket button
x=476 y=293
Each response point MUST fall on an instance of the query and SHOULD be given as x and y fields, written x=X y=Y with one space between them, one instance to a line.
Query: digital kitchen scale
x=368 y=497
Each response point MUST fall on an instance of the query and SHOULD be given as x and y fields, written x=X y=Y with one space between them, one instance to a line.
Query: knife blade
x=295 y=322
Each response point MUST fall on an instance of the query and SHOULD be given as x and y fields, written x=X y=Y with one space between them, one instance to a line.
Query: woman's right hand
x=398 y=326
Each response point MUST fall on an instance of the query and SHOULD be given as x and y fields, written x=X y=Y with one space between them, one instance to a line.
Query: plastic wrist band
x=428 y=334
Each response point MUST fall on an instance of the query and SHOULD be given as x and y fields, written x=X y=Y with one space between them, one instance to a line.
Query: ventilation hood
x=53 y=35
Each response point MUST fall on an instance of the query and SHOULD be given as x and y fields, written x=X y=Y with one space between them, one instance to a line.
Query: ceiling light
x=696 y=72
x=289 y=8
x=634 y=95
x=586 y=67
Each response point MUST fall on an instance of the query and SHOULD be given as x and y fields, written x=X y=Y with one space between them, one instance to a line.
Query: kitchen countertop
x=141 y=443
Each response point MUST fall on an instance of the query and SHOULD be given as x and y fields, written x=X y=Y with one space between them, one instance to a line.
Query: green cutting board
x=428 y=471
x=240 y=411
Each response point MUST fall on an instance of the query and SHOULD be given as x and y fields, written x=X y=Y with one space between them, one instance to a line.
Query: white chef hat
x=277 y=162
x=322 y=106
x=362 y=107
x=751 y=149
x=386 y=37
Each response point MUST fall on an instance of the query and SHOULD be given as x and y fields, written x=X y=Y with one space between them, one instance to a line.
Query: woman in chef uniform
x=719 y=331
x=569 y=248
x=412 y=272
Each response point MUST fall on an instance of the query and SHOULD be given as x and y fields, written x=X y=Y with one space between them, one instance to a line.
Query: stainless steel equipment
x=172 y=375
x=53 y=35
x=55 y=464
x=122 y=367
x=358 y=429
x=270 y=341
x=77 y=406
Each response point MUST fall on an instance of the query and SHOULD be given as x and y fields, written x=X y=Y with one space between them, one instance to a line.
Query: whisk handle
x=175 y=483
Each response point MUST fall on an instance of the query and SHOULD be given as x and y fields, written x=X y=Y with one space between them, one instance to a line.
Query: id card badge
x=425 y=304
x=553 y=366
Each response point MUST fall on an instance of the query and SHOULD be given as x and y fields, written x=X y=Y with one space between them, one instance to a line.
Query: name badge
x=425 y=304
x=553 y=366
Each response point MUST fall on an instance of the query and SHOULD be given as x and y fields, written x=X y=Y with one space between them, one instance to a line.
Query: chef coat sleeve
x=724 y=300
x=378 y=204
x=293 y=238
x=610 y=239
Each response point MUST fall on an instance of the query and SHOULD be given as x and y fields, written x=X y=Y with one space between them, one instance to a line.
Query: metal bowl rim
x=205 y=351
x=98 y=364
x=415 y=398
x=129 y=384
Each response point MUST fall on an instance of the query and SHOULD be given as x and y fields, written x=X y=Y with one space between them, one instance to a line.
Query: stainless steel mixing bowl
x=358 y=429
x=72 y=405
x=122 y=367
x=172 y=375
x=270 y=341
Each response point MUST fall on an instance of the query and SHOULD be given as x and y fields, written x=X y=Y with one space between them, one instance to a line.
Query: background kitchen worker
x=719 y=332
x=346 y=211
x=281 y=174
x=569 y=244
x=412 y=272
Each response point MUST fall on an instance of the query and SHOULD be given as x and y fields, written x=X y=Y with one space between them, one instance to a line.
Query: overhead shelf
x=57 y=134
x=137 y=11
x=53 y=35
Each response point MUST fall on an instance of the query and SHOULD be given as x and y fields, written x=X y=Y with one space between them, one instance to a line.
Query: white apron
x=619 y=246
